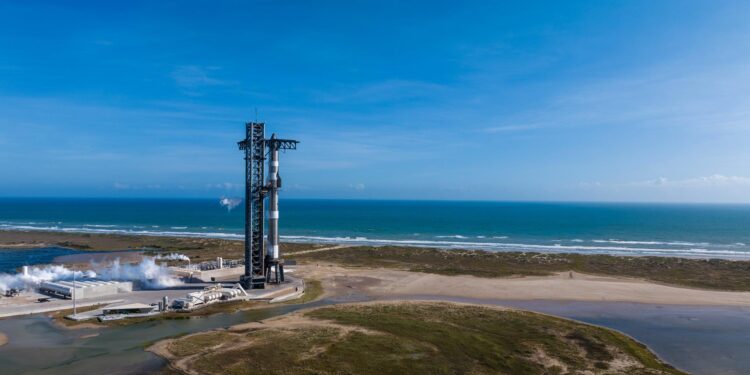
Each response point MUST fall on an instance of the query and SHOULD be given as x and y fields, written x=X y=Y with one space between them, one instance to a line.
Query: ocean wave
x=123 y=231
x=669 y=243
x=523 y=247
x=458 y=236
x=619 y=248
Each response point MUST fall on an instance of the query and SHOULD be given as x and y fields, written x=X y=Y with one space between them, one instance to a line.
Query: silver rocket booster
x=274 y=184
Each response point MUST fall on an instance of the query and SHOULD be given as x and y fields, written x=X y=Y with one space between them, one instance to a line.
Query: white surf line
x=322 y=249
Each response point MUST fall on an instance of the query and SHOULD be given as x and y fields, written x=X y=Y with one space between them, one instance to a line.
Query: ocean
x=695 y=230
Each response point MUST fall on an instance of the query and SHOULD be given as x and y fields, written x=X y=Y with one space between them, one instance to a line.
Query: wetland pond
x=39 y=346
x=697 y=339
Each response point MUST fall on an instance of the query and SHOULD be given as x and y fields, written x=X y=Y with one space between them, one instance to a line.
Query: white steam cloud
x=172 y=256
x=147 y=274
x=38 y=274
x=230 y=203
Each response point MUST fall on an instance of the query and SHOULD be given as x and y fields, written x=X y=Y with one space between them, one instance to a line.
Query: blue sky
x=604 y=100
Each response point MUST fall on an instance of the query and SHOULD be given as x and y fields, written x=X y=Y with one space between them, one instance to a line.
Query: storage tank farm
x=263 y=262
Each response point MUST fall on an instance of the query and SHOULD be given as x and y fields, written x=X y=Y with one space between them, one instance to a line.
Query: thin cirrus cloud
x=387 y=90
x=510 y=128
x=193 y=76
x=713 y=181
x=225 y=186
x=716 y=188
x=122 y=186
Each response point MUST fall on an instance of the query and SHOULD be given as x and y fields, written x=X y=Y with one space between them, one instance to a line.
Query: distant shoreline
x=9 y=238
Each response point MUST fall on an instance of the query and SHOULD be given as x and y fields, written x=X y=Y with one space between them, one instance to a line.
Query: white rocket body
x=274 y=183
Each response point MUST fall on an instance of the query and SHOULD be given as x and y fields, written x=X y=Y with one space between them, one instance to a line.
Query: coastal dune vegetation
x=413 y=338
x=715 y=274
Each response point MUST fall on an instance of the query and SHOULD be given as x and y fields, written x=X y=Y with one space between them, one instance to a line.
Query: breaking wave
x=454 y=241
x=673 y=243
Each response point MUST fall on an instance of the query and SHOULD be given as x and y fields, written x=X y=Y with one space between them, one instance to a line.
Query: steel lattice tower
x=258 y=261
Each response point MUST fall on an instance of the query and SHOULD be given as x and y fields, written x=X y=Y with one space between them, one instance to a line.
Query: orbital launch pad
x=263 y=263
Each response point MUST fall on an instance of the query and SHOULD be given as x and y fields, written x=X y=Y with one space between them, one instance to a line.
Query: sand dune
x=561 y=286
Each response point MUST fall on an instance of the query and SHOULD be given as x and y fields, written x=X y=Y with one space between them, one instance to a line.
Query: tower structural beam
x=261 y=260
x=254 y=147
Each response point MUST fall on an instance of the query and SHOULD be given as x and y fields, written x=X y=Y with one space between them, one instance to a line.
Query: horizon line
x=403 y=200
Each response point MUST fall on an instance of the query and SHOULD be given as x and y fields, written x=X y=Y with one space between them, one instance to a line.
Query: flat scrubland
x=411 y=338
x=195 y=248
x=715 y=274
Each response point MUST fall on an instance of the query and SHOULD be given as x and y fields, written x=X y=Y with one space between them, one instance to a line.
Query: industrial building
x=210 y=271
x=207 y=296
x=87 y=288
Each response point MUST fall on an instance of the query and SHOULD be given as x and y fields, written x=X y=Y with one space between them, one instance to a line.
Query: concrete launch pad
x=28 y=301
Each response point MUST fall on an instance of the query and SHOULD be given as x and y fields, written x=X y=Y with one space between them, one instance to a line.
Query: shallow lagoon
x=698 y=339
x=710 y=340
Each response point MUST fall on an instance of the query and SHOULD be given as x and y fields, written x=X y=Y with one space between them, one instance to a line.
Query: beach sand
x=384 y=283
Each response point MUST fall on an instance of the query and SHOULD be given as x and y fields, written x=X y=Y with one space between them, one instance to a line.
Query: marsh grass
x=422 y=338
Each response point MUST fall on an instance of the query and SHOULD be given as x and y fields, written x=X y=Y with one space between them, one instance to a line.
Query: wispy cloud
x=389 y=90
x=668 y=95
x=193 y=76
x=716 y=188
x=716 y=180
x=358 y=186
x=122 y=186
x=225 y=186
x=510 y=128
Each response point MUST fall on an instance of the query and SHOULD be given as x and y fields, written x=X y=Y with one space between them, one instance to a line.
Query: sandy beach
x=384 y=283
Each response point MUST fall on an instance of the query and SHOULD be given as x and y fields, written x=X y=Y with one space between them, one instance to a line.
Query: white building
x=87 y=288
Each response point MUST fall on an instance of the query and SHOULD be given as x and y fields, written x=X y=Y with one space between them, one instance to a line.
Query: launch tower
x=262 y=262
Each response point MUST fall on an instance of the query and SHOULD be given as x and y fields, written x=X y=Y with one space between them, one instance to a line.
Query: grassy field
x=196 y=248
x=699 y=273
x=416 y=338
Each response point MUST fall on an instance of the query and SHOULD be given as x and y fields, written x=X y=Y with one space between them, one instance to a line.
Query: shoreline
x=557 y=248
x=684 y=274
